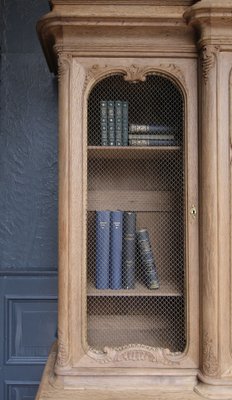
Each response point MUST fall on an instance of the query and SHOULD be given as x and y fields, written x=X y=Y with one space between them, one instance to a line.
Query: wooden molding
x=134 y=73
x=134 y=353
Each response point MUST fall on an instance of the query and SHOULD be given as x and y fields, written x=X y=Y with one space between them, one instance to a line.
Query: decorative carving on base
x=134 y=352
x=62 y=354
x=134 y=73
x=210 y=362
x=227 y=373
x=208 y=58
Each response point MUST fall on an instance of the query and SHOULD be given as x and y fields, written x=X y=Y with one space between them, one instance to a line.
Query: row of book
x=114 y=123
x=116 y=132
x=117 y=245
x=151 y=135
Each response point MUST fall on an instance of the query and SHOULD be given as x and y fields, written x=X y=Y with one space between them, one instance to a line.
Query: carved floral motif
x=210 y=362
x=208 y=57
x=135 y=353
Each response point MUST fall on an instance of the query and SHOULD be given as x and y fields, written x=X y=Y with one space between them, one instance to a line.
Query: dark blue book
x=125 y=123
x=116 y=249
x=118 y=123
x=111 y=123
x=102 y=249
x=158 y=129
x=147 y=259
x=129 y=237
x=104 y=130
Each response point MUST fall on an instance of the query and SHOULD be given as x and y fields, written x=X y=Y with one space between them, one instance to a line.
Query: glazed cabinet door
x=134 y=207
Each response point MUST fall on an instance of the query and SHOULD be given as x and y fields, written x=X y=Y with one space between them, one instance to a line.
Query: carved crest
x=135 y=73
x=208 y=57
x=135 y=353
x=210 y=362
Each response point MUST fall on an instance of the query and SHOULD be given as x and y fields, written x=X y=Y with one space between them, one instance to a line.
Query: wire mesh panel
x=136 y=236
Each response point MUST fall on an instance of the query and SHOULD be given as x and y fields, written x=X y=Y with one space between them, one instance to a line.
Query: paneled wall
x=28 y=201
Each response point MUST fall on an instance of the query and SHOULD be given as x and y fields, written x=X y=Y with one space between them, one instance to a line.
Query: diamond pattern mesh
x=146 y=183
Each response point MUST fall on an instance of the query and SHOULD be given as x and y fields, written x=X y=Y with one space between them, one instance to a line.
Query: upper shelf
x=131 y=152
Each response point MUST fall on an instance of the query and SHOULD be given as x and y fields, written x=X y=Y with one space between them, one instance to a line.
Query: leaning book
x=147 y=260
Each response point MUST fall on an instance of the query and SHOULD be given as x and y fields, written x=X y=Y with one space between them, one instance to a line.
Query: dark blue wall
x=28 y=201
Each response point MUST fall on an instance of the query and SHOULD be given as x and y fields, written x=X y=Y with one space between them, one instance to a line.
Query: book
x=151 y=137
x=111 y=123
x=147 y=259
x=118 y=123
x=129 y=246
x=133 y=128
x=102 y=249
x=152 y=142
x=116 y=226
x=125 y=123
x=104 y=130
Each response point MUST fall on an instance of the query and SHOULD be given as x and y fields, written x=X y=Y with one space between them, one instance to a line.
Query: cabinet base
x=214 y=392
x=56 y=391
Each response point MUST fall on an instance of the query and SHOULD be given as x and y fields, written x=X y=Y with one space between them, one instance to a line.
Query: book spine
x=151 y=137
x=111 y=123
x=118 y=123
x=129 y=237
x=116 y=250
x=147 y=258
x=151 y=142
x=136 y=128
x=104 y=133
x=102 y=249
x=125 y=123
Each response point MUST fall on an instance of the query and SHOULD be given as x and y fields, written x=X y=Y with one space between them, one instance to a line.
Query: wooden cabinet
x=174 y=341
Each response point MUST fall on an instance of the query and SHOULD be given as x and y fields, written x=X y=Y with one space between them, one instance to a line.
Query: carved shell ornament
x=135 y=353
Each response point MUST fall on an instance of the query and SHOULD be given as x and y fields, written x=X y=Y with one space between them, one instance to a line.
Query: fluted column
x=212 y=21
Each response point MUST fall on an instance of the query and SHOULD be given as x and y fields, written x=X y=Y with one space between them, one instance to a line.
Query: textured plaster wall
x=28 y=143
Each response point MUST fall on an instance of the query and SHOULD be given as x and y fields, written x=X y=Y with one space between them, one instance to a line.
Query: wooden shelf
x=166 y=289
x=131 y=152
x=133 y=200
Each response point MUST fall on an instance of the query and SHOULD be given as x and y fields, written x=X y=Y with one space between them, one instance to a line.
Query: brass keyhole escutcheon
x=193 y=211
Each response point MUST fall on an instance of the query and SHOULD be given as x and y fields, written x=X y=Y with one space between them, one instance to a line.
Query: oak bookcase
x=171 y=61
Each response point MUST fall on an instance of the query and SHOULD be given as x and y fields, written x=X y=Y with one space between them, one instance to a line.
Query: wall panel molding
x=15 y=390
x=30 y=322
